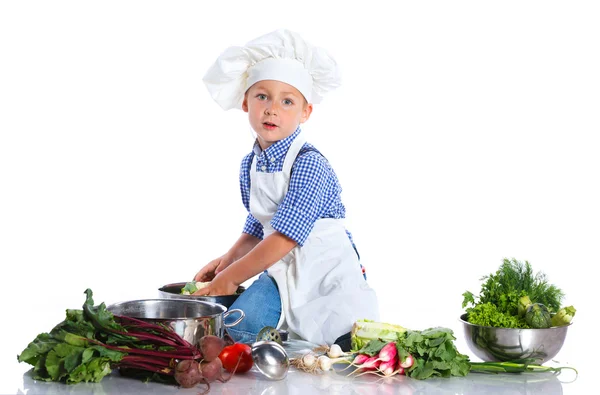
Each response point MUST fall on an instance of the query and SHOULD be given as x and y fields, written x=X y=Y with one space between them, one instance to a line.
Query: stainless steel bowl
x=190 y=319
x=173 y=291
x=505 y=344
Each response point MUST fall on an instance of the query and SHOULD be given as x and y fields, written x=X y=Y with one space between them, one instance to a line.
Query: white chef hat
x=281 y=55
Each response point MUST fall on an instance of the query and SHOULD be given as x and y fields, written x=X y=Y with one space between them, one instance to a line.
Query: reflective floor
x=297 y=382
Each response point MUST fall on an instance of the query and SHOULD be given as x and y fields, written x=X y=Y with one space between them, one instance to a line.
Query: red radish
x=370 y=364
x=360 y=359
x=210 y=347
x=408 y=362
x=388 y=352
x=387 y=367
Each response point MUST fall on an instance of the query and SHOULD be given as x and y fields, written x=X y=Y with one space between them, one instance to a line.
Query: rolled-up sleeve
x=253 y=227
x=311 y=182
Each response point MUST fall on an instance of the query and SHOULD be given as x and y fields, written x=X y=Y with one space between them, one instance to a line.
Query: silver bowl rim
x=464 y=321
x=178 y=300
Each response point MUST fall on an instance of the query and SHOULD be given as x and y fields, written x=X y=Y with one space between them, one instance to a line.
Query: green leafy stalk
x=517 y=366
x=434 y=353
x=89 y=343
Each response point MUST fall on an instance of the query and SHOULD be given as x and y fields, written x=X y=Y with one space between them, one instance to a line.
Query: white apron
x=322 y=289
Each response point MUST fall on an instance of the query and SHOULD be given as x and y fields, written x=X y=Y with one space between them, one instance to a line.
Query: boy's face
x=275 y=110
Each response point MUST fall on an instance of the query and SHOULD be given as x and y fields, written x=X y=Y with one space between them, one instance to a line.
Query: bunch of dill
x=498 y=300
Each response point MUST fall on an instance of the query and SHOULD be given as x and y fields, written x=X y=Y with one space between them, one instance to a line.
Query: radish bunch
x=386 y=363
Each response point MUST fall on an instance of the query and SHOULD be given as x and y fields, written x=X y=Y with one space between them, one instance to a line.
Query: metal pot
x=173 y=291
x=190 y=319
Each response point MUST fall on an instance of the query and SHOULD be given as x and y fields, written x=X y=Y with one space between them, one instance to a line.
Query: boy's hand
x=220 y=285
x=214 y=267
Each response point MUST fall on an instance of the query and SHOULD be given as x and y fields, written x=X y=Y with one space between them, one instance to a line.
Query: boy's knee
x=240 y=336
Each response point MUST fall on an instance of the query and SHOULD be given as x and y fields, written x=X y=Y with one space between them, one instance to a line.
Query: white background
x=464 y=132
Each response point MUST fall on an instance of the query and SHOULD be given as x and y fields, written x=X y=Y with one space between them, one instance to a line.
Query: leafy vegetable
x=433 y=351
x=189 y=288
x=425 y=354
x=89 y=343
x=192 y=287
x=434 y=354
x=506 y=294
x=364 y=331
x=564 y=316
x=488 y=314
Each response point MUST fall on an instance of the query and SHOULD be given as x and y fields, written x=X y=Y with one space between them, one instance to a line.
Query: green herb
x=506 y=294
x=515 y=279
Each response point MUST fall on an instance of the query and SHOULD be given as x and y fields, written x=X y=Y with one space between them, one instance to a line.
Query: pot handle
x=234 y=323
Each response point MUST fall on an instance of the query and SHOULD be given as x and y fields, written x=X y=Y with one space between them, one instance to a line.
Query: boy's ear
x=306 y=112
x=245 y=103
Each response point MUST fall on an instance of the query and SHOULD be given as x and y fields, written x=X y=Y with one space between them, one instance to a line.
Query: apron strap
x=292 y=153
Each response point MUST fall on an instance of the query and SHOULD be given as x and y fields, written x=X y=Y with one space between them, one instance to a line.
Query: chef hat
x=281 y=55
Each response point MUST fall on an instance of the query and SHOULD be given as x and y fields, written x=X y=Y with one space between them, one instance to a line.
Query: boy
x=312 y=283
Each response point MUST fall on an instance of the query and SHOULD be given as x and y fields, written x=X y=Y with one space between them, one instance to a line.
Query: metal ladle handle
x=234 y=323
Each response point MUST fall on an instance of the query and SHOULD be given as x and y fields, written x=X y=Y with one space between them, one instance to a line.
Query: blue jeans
x=262 y=306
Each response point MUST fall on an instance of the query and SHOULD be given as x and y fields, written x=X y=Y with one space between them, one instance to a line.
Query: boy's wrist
x=232 y=275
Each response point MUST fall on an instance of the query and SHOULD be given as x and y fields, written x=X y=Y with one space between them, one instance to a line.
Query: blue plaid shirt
x=314 y=190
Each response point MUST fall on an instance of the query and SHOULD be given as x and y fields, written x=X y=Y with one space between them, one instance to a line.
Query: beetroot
x=210 y=347
x=212 y=370
x=188 y=373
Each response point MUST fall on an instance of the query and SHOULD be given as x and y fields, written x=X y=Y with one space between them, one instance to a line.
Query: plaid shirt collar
x=277 y=150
